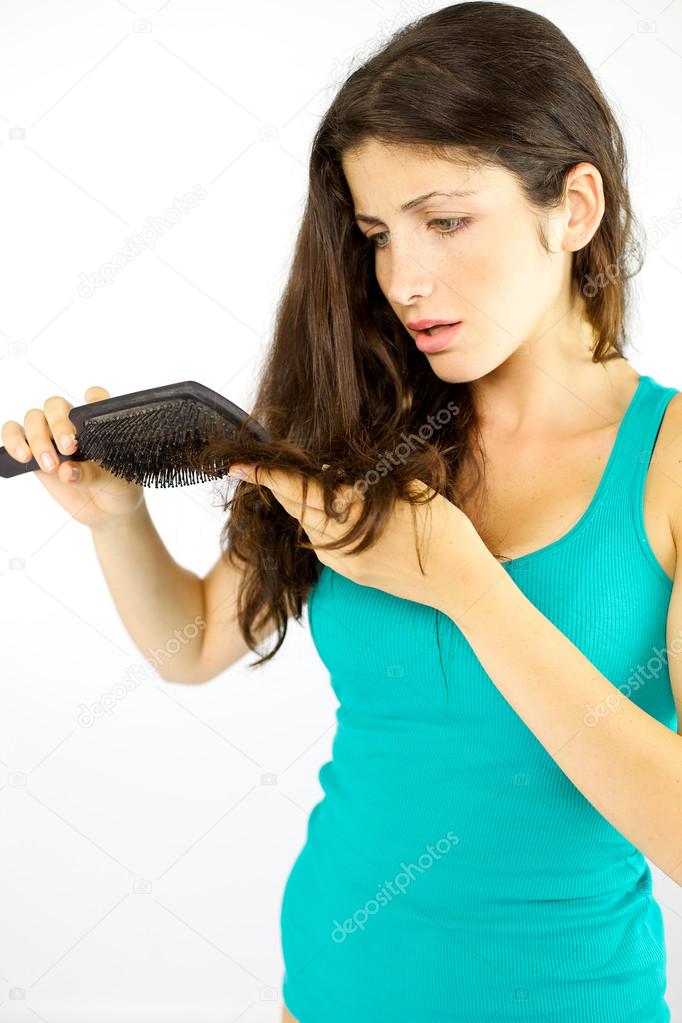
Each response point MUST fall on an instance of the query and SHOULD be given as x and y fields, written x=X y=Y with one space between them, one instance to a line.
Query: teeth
x=434 y=330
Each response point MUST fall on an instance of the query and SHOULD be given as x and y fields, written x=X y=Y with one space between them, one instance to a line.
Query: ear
x=583 y=206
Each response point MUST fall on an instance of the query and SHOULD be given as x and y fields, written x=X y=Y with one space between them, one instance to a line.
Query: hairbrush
x=153 y=437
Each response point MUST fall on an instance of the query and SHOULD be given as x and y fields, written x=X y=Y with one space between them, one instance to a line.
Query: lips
x=440 y=340
x=425 y=324
x=430 y=331
x=443 y=324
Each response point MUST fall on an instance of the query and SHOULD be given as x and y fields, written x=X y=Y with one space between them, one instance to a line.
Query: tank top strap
x=625 y=475
x=645 y=424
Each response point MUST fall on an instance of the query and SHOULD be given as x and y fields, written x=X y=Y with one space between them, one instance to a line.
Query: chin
x=455 y=368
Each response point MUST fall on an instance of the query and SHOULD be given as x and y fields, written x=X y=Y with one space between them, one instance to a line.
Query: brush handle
x=9 y=466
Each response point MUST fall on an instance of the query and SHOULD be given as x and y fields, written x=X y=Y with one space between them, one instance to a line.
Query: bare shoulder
x=667 y=466
x=668 y=460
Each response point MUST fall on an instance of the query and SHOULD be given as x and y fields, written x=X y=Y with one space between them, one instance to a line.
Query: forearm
x=627 y=764
x=160 y=603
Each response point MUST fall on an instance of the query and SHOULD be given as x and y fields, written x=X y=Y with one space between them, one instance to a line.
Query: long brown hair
x=342 y=383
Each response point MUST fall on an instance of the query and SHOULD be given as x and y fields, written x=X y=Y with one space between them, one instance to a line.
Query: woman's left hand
x=452 y=552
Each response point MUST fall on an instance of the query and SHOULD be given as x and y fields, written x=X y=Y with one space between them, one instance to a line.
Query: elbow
x=186 y=681
x=189 y=677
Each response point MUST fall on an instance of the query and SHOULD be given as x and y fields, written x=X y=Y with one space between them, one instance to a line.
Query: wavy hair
x=342 y=384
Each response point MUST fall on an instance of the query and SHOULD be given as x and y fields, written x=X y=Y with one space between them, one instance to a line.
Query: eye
x=462 y=223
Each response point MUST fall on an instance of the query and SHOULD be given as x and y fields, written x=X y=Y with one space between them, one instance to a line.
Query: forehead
x=389 y=175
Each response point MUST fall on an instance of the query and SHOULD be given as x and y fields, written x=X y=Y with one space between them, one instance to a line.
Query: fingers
x=14 y=441
x=40 y=427
x=62 y=432
x=80 y=472
x=37 y=435
x=287 y=488
x=96 y=394
x=47 y=432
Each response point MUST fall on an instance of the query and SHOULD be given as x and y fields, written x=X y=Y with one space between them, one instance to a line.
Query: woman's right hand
x=97 y=496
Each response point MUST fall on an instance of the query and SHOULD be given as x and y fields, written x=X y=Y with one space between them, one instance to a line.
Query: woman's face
x=475 y=258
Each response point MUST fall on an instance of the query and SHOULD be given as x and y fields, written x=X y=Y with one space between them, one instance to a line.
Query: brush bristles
x=151 y=445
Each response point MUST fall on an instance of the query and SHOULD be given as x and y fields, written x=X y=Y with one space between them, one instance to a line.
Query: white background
x=143 y=857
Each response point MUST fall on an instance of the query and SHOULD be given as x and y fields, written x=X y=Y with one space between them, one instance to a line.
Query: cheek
x=518 y=252
x=487 y=264
x=497 y=267
x=503 y=268
x=382 y=274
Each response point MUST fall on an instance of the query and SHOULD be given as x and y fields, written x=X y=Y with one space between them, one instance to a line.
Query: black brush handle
x=9 y=466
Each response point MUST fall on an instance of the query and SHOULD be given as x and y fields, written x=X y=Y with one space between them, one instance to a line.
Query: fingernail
x=65 y=440
x=22 y=451
x=75 y=472
x=48 y=461
x=237 y=471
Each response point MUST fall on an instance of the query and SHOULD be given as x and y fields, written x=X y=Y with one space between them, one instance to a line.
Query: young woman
x=506 y=752
x=492 y=514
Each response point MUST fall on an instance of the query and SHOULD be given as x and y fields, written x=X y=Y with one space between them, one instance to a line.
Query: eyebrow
x=413 y=203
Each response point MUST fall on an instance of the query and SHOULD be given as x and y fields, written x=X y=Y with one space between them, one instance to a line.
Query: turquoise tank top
x=452 y=873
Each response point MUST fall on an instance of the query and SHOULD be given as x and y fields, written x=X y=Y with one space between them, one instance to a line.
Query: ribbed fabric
x=452 y=872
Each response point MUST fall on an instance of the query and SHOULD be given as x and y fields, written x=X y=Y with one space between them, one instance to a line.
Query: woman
x=506 y=754
x=500 y=767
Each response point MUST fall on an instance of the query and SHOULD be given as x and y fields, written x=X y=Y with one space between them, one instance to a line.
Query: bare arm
x=186 y=624
x=160 y=603
x=223 y=643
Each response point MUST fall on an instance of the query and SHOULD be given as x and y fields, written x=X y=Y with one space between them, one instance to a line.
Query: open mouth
x=435 y=330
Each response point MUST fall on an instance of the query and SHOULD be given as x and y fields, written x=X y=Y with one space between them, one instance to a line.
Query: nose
x=404 y=278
